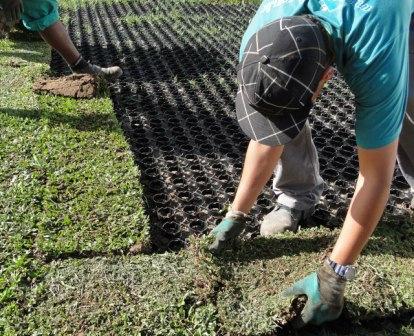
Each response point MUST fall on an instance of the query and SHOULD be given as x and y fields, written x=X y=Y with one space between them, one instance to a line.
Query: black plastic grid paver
x=175 y=102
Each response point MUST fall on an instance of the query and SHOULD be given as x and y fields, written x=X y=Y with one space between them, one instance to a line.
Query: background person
x=42 y=16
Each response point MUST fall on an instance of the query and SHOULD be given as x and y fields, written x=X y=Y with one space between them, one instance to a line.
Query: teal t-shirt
x=371 y=44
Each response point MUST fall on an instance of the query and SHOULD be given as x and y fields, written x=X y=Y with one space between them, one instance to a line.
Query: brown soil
x=289 y=315
x=76 y=86
x=140 y=248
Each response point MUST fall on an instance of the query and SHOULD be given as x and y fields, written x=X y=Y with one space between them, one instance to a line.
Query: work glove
x=227 y=231
x=12 y=9
x=325 y=292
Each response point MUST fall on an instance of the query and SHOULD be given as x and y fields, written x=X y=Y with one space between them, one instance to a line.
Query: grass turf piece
x=68 y=174
x=250 y=301
x=68 y=184
x=193 y=293
x=122 y=296
x=73 y=4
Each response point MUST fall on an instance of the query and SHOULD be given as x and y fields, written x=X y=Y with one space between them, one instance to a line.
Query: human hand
x=12 y=9
x=227 y=231
x=325 y=292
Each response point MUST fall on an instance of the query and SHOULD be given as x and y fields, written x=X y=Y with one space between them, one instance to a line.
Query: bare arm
x=367 y=205
x=258 y=167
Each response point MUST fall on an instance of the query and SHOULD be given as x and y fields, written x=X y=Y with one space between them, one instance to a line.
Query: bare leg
x=58 y=38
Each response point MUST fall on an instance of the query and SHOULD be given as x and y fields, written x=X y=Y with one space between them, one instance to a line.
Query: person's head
x=284 y=68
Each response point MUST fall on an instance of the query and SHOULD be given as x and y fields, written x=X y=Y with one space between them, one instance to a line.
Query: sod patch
x=262 y=268
x=193 y=293
x=67 y=175
x=68 y=184
x=122 y=296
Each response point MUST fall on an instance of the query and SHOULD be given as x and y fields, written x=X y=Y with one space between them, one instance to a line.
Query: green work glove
x=325 y=292
x=12 y=9
x=227 y=231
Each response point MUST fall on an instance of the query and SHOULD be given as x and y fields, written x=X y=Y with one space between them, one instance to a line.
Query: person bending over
x=285 y=60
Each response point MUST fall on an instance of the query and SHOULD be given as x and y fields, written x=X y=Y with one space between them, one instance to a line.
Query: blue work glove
x=227 y=231
x=325 y=292
x=12 y=9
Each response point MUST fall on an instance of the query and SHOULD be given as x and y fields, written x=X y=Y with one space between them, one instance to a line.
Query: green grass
x=122 y=296
x=68 y=184
x=68 y=174
x=205 y=23
x=19 y=64
x=72 y=4
x=265 y=266
x=193 y=293
x=70 y=203
x=139 y=19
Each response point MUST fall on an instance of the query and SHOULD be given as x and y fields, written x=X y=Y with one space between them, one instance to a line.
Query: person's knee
x=39 y=15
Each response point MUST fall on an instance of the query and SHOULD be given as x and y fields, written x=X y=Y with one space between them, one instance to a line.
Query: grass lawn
x=72 y=207
x=68 y=184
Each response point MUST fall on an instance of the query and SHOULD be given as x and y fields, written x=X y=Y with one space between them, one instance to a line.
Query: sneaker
x=283 y=218
x=109 y=74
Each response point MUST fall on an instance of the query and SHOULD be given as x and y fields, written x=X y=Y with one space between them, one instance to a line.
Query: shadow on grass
x=275 y=247
x=20 y=33
x=388 y=324
x=85 y=122
x=25 y=53
x=386 y=241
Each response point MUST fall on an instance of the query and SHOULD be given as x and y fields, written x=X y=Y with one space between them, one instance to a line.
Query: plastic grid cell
x=175 y=103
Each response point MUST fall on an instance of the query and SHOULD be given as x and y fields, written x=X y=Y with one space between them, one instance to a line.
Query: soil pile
x=76 y=86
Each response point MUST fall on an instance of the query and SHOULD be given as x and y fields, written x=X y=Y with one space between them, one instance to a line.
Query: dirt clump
x=76 y=86
x=140 y=248
x=289 y=316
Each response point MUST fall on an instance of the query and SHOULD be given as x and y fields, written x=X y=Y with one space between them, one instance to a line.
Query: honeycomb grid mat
x=175 y=103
